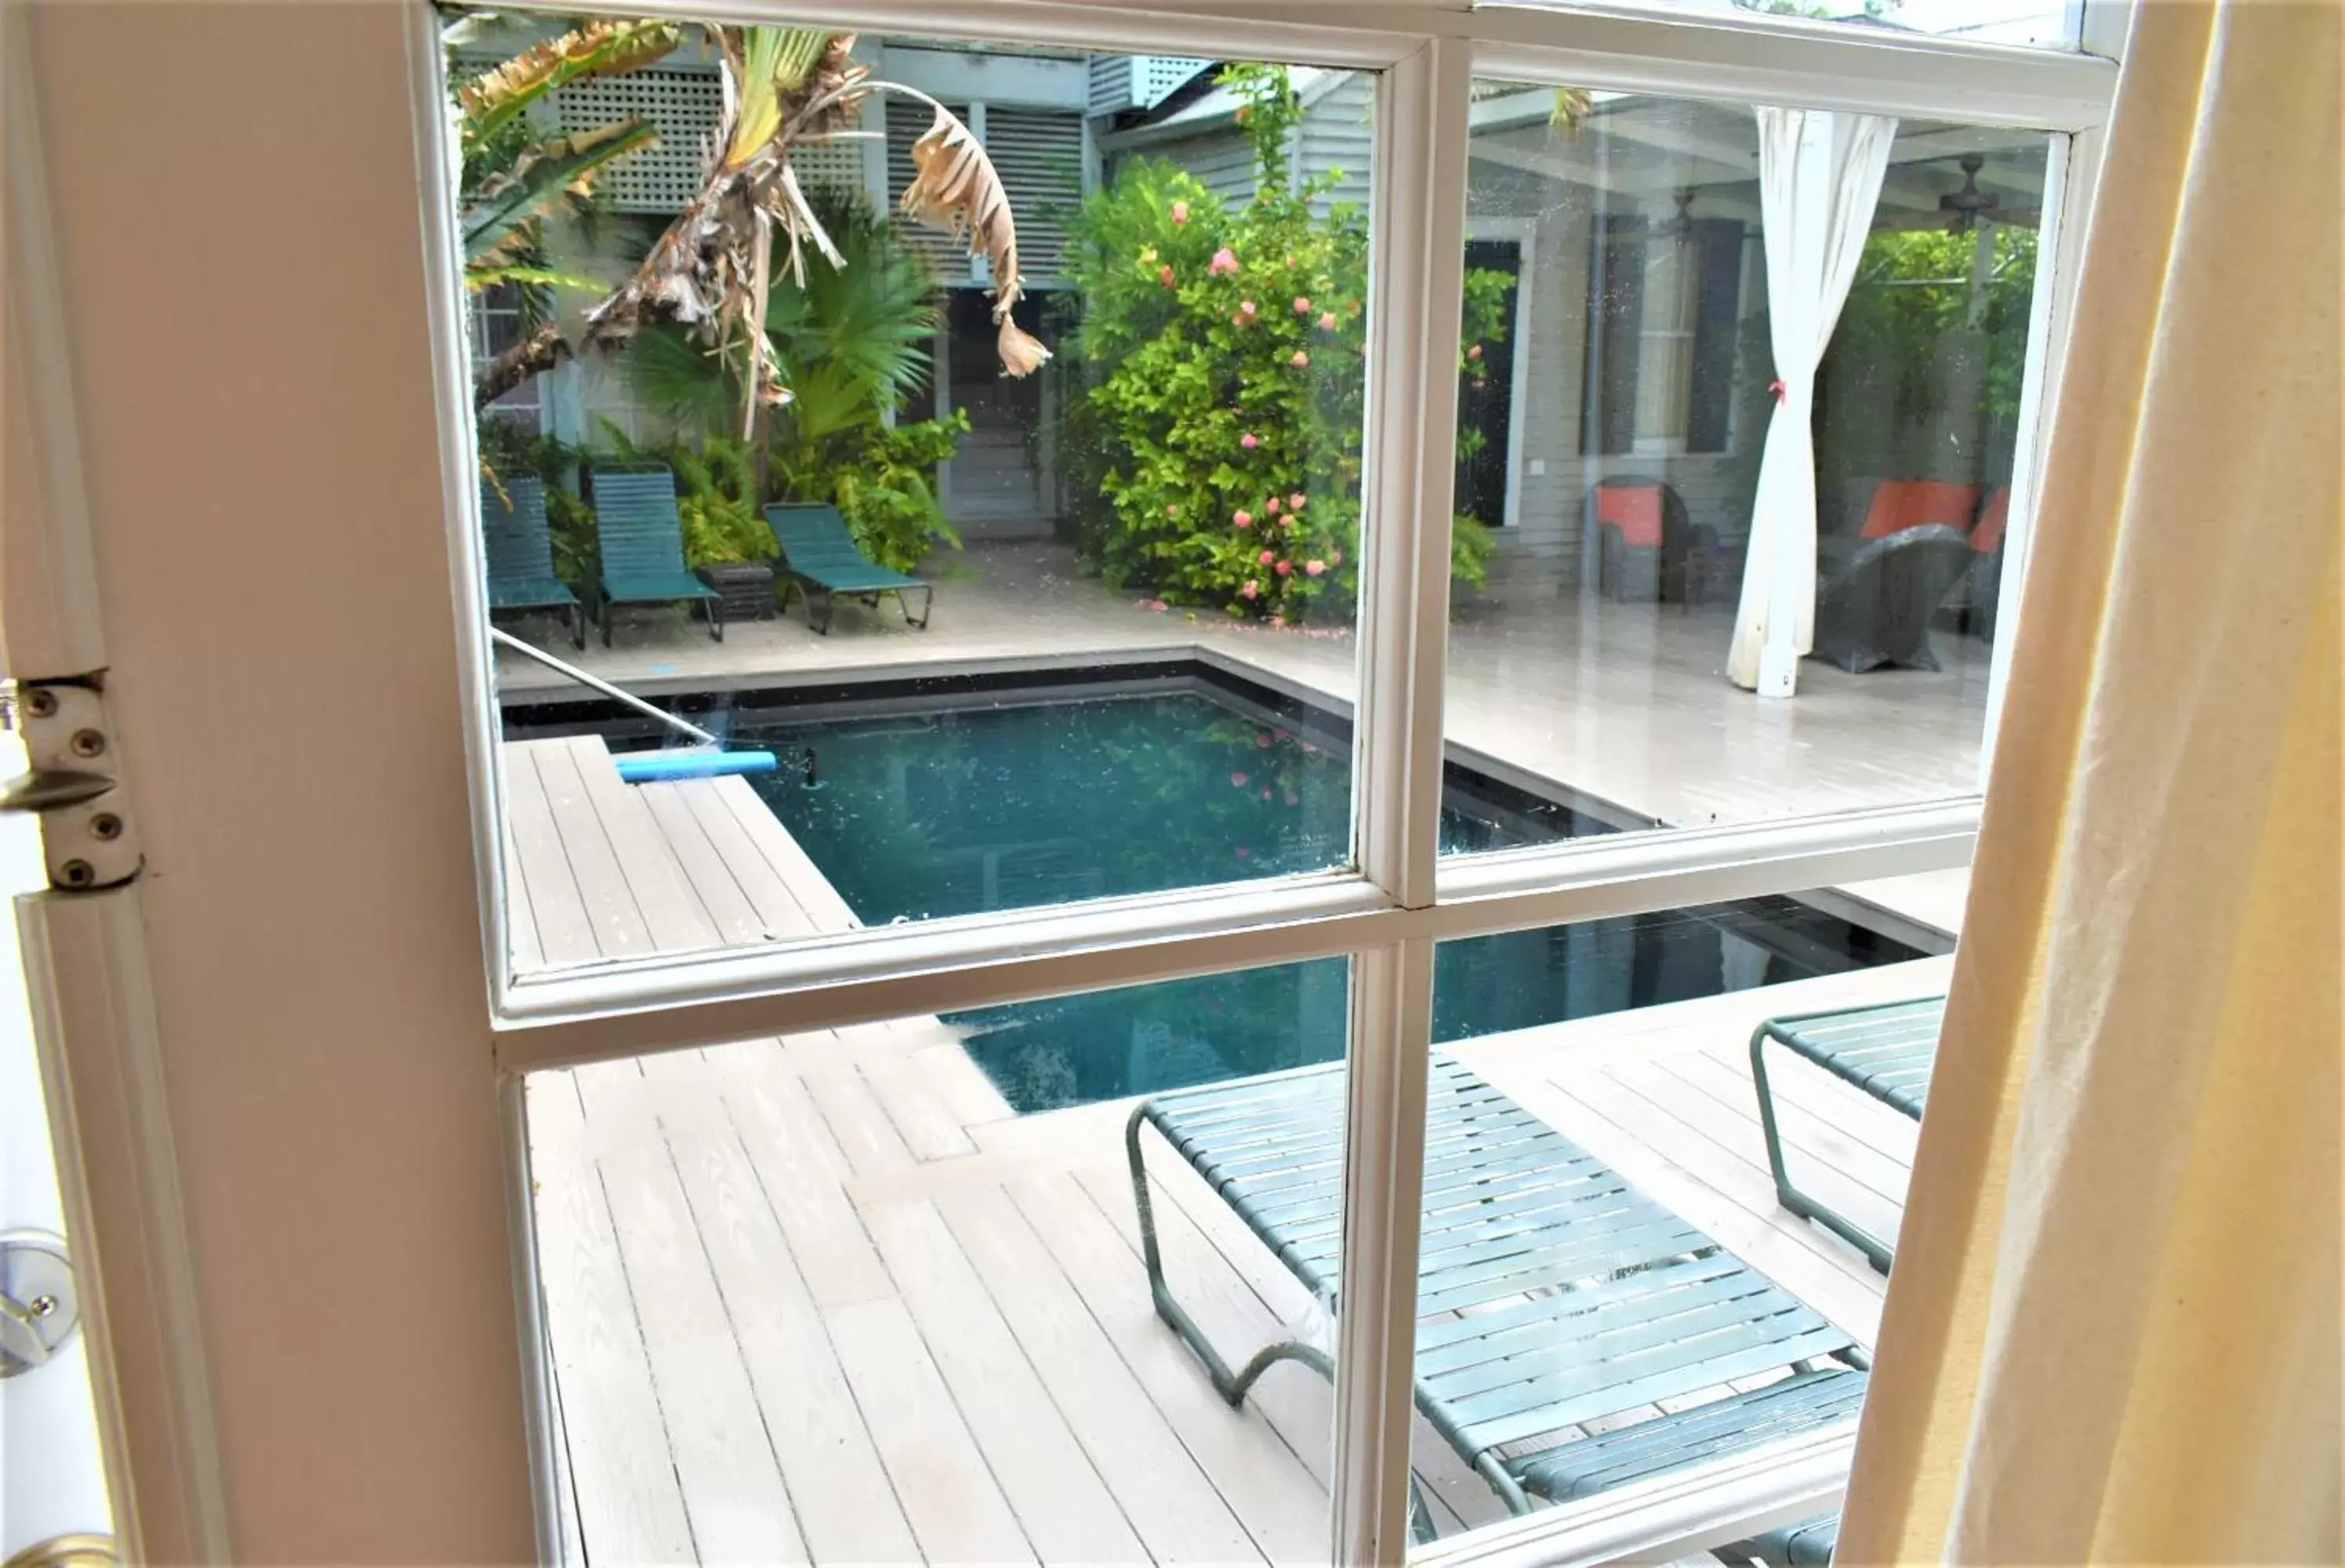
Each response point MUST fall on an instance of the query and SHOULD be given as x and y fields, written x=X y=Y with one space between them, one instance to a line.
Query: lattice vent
x=682 y=105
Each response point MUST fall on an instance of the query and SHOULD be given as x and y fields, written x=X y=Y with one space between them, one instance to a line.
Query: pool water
x=920 y=815
x=962 y=809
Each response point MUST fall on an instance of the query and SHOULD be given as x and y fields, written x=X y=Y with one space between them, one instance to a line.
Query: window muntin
x=2065 y=97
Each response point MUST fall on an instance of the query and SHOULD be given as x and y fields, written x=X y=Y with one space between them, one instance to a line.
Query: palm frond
x=548 y=173
x=603 y=48
x=957 y=189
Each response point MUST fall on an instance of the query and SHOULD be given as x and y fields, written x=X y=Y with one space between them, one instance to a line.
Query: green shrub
x=1221 y=432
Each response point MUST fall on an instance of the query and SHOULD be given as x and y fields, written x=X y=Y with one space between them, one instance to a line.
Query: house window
x=1070 y=977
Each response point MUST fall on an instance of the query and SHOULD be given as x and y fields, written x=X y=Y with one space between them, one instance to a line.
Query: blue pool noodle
x=653 y=767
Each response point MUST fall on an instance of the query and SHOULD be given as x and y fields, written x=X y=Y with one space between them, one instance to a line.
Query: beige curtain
x=2112 y=1330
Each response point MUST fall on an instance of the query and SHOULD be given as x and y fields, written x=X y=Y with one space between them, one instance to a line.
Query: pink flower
x=1265 y=794
x=1245 y=308
x=1237 y=319
x=1295 y=503
x=1285 y=568
x=1172 y=511
x=1288 y=523
x=1237 y=781
x=1302 y=305
x=1267 y=558
x=1243 y=852
x=1279 y=620
x=1262 y=742
x=1165 y=276
x=1300 y=360
x=1271 y=507
x=1314 y=567
x=1327 y=320
x=1242 y=519
x=1251 y=587
x=1475 y=352
x=1249 y=441
x=1224 y=261
x=1289 y=261
x=1158 y=605
x=1180 y=212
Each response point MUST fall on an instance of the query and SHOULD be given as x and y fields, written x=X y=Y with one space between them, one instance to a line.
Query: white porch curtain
x=2112 y=1334
x=1819 y=177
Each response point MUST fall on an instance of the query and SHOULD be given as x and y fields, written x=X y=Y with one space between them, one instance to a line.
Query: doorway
x=1486 y=403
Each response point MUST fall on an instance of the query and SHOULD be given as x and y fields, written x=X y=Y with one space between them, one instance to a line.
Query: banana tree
x=710 y=272
x=513 y=181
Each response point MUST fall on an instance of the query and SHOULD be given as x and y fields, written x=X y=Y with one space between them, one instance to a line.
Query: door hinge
x=88 y=839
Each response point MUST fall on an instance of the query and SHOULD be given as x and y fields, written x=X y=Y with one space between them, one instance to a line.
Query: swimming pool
x=920 y=800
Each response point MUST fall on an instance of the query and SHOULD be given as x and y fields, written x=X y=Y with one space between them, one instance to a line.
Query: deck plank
x=565 y=930
x=673 y=912
x=1051 y=1485
x=725 y=1463
x=1165 y=1495
x=1281 y=1504
x=802 y=1175
x=783 y=917
x=728 y=908
x=955 y=1506
x=620 y=929
x=630 y=1505
x=823 y=905
x=846 y=1507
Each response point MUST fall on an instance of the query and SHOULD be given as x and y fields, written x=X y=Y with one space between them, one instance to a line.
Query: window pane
x=2041 y=24
x=1608 y=1286
x=883 y=1293
x=1634 y=536
x=968 y=629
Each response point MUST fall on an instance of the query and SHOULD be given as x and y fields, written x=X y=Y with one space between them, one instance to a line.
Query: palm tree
x=710 y=272
x=512 y=180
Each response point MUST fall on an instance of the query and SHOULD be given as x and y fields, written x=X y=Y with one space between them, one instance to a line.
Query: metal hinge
x=88 y=839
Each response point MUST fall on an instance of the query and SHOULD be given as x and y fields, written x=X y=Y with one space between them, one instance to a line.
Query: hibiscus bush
x=1218 y=431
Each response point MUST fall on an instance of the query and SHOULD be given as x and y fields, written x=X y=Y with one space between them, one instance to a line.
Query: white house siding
x=1338 y=132
x=1545 y=544
x=1223 y=160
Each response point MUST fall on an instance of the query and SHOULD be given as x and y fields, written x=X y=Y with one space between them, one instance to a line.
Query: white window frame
x=1388 y=915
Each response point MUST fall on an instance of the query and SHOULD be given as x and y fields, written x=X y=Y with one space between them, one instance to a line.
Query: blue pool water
x=968 y=805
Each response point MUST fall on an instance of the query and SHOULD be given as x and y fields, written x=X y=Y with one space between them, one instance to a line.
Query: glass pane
x=1610 y=1288
x=955 y=627
x=1641 y=550
x=2041 y=24
x=882 y=1294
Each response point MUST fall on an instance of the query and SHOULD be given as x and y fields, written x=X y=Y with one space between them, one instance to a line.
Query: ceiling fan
x=1970 y=207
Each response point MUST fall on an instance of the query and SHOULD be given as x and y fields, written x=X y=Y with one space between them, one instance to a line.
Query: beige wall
x=234 y=190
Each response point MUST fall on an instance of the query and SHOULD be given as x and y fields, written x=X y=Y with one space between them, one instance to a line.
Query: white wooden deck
x=826 y=1298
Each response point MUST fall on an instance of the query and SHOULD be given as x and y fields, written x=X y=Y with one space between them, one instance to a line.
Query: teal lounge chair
x=643 y=546
x=1551 y=1294
x=519 y=551
x=821 y=556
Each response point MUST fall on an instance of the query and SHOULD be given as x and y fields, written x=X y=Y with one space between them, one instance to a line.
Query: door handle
x=39 y=1307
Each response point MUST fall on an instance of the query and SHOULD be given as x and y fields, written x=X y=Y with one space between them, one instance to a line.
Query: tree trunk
x=534 y=354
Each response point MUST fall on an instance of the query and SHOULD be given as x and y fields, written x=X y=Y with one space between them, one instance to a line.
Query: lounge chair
x=520 y=549
x=1876 y=608
x=1884 y=1051
x=821 y=556
x=1550 y=1293
x=642 y=546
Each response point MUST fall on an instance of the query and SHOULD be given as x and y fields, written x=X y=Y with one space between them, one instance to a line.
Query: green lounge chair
x=519 y=551
x=1550 y=1293
x=821 y=556
x=1885 y=1052
x=643 y=546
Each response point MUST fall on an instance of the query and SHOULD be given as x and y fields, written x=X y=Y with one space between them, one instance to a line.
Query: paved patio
x=1628 y=703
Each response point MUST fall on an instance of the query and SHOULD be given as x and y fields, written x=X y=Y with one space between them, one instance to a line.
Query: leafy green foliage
x=1220 y=433
x=852 y=342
